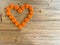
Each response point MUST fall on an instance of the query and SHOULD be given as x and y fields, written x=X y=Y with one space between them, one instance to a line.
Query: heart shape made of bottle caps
x=19 y=10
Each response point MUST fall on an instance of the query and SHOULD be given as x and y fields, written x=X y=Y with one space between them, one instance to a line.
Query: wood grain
x=43 y=28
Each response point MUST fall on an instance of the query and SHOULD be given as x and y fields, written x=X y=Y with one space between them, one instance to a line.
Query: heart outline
x=19 y=10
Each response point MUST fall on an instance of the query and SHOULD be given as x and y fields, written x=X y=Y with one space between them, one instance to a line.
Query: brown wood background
x=43 y=28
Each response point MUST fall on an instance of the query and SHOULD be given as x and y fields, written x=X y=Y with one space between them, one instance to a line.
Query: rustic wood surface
x=43 y=28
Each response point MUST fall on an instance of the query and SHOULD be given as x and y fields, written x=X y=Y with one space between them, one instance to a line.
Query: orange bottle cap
x=22 y=7
x=11 y=16
x=27 y=5
x=11 y=6
x=8 y=9
x=16 y=23
x=20 y=26
x=23 y=23
x=31 y=12
x=19 y=10
x=30 y=8
x=26 y=20
x=8 y=13
x=16 y=7
x=13 y=20
x=29 y=16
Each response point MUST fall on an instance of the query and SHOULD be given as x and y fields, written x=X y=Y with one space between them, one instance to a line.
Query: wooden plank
x=43 y=28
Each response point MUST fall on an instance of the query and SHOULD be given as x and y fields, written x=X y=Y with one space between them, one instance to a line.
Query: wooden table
x=43 y=28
